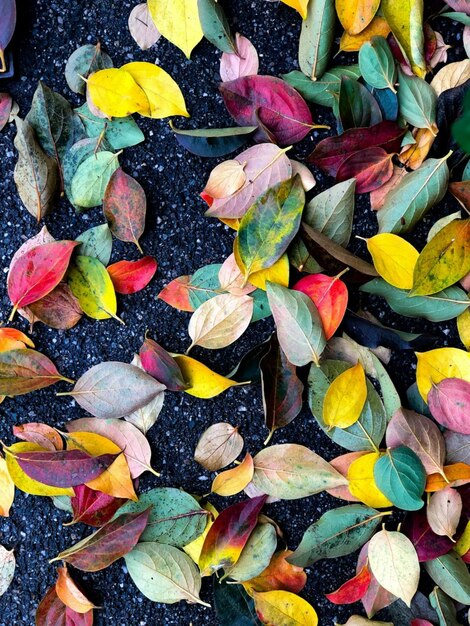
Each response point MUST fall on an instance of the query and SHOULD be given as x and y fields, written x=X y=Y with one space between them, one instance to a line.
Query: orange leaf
x=70 y=594
x=457 y=474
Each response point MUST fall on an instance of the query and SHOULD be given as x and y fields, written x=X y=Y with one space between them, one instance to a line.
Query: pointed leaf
x=452 y=575
x=377 y=64
x=178 y=21
x=52 y=610
x=394 y=259
x=83 y=62
x=70 y=594
x=234 y=480
x=256 y=554
x=371 y=168
x=115 y=93
x=124 y=206
x=218 y=446
x=215 y=25
x=91 y=179
x=352 y=590
x=316 y=38
x=444 y=510
x=437 y=365
x=91 y=284
x=25 y=370
x=405 y=18
x=428 y=545
x=132 y=276
x=345 y=398
x=162 y=366
x=243 y=63
x=401 y=477
x=417 y=101
x=142 y=28
x=202 y=381
x=93 y=507
x=282 y=608
x=96 y=242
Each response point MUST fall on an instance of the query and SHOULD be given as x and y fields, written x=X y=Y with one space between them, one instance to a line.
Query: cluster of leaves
x=290 y=261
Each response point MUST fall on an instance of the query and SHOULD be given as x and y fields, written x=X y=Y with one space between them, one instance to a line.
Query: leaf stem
x=13 y=312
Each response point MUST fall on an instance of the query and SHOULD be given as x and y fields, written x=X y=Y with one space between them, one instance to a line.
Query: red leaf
x=124 y=206
x=330 y=295
x=449 y=403
x=63 y=468
x=42 y=434
x=333 y=151
x=38 y=271
x=228 y=535
x=158 y=363
x=59 y=309
x=93 y=507
x=279 y=108
x=25 y=370
x=176 y=294
x=353 y=589
x=132 y=276
x=428 y=545
x=53 y=612
x=5 y=107
x=108 y=544
x=461 y=191
x=421 y=622
x=371 y=167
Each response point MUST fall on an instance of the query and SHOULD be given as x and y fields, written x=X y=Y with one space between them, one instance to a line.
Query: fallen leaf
x=91 y=178
x=352 y=590
x=84 y=61
x=115 y=93
x=202 y=382
x=132 y=276
x=316 y=38
x=51 y=610
x=378 y=26
x=448 y=402
x=243 y=63
x=371 y=167
x=401 y=477
x=283 y=608
x=405 y=18
x=58 y=309
x=178 y=21
x=218 y=446
x=428 y=545
x=176 y=294
x=345 y=398
x=7 y=489
x=92 y=507
x=234 y=480
x=7 y=568
x=436 y=365
x=394 y=259
x=456 y=474
x=91 y=284
x=161 y=365
x=451 y=76
x=25 y=370
x=362 y=485
x=279 y=575
x=256 y=554
x=394 y=563
x=443 y=511
x=142 y=28
x=69 y=593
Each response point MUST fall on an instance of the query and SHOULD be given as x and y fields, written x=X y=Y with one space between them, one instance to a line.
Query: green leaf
x=444 y=260
x=118 y=133
x=73 y=158
x=440 y=307
x=357 y=108
x=269 y=226
x=401 y=477
x=51 y=117
x=444 y=607
x=377 y=64
x=301 y=258
x=418 y=191
x=316 y=37
x=325 y=90
x=91 y=179
x=96 y=242
x=457 y=16
x=204 y=284
x=405 y=18
x=261 y=308
x=256 y=554
x=91 y=284
x=451 y=574
x=215 y=25
x=175 y=518
x=164 y=573
x=233 y=605
x=331 y=212
x=368 y=431
x=417 y=101
x=298 y=324
x=83 y=62
x=337 y=533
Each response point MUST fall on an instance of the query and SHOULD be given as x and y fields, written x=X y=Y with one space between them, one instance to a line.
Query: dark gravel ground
x=182 y=240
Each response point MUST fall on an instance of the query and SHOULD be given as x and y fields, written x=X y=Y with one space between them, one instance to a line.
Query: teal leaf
x=204 y=284
x=215 y=25
x=401 y=477
x=213 y=142
x=440 y=307
x=377 y=64
x=451 y=574
x=233 y=605
x=337 y=533
x=96 y=242
x=324 y=90
x=417 y=101
x=83 y=62
x=118 y=133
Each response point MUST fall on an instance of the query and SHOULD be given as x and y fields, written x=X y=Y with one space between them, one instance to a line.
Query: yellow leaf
x=394 y=259
x=92 y=285
x=414 y=155
x=463 y=544
x=116 y=479
x=345 y=398
x=7 y=489
x=436 y=365
x=405 y=18
x=116 y=93
x=277 y=273
x=283 y=608
x=178 y=21
x=163 y=94
x=356 y=15
x=352 y=43
x=463 y=326
x=298 y=5
x=362 y=484
x=231 y=223
x=194 y=548
x=204 y=383
x=234 y=480
x=23 y=481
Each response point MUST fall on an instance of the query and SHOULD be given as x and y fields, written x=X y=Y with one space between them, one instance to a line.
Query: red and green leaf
x=24 y=370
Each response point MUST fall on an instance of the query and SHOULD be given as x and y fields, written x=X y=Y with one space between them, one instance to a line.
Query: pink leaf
x=243 y=63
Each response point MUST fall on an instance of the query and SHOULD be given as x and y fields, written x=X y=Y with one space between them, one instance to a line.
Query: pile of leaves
x=405 y=472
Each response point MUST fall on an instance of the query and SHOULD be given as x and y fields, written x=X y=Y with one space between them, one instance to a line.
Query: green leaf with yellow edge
x=362 y=484
x=269 y=226
x=401 y=477
x=163 y=94
x=405 y=18
x=202 y=381
x=283 y=608
x=91 y=284
x=444 y=260
x=178 y=21
x=345 y=398
x=394 y=259
x=22 y=480
x=115 y=93
x=436 y=365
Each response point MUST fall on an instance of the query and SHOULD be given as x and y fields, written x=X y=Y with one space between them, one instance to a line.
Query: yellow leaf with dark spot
x=356 y=15
x=352 y=43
